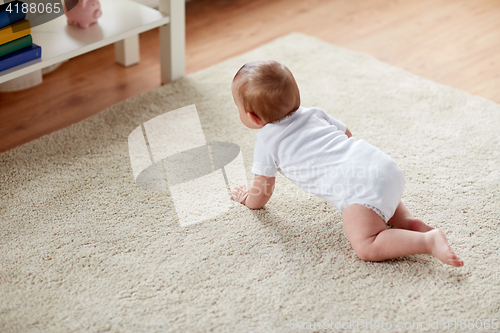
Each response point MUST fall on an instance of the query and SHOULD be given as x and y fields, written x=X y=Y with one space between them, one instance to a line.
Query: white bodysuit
x=311 y=149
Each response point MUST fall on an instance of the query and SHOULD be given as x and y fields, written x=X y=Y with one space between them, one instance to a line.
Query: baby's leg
x=402 y=219
x=373 y=242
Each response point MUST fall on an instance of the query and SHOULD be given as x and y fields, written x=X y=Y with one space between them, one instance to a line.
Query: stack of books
x=16 y=44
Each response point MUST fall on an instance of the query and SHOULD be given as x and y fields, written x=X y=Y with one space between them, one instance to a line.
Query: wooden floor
x=454 y=42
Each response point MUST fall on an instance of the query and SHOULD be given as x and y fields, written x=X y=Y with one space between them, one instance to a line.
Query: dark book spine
x=11 y=14
x=20 y=57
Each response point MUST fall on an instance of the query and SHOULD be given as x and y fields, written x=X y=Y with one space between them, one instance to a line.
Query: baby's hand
x=240 y=193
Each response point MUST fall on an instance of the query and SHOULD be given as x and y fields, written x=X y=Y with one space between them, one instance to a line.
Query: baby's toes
x=454 y=260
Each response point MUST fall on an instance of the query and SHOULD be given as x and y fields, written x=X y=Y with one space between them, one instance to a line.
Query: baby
x=318 y=154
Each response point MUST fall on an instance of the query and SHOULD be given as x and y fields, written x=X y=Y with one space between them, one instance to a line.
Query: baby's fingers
x=236 y=192
x=234 y=195
x=239 y=193
x=237 y=197
x=239 y=188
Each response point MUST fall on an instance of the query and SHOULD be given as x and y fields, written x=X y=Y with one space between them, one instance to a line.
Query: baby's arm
x=258 y=195
x=337 y=123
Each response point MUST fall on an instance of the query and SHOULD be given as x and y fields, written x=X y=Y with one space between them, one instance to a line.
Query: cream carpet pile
x=84 y=249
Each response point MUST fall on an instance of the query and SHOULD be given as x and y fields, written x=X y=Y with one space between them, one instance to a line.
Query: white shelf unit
x=120 y=23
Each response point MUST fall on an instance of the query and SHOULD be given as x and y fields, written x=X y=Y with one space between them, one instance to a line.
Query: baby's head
x=265 y=92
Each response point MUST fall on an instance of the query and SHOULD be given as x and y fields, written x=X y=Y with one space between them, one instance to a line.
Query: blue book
x=20 y=57
x=10 y=13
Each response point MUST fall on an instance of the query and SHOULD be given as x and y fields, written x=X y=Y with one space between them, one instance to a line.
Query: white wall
x=150 y=3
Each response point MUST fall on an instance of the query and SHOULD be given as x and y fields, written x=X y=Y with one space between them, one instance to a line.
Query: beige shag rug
x=84 y=249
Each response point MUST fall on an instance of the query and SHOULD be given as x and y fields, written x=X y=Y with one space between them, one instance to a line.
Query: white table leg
x=127 y=51
x=173 y=41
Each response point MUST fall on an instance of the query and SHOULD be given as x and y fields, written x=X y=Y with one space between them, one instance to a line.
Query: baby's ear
x=256 y=119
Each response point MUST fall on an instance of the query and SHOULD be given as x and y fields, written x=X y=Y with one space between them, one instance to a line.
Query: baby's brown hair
x=268 y=89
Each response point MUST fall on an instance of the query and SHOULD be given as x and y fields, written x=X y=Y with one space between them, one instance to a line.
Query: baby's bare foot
x=440 y=248
x=417 y=225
